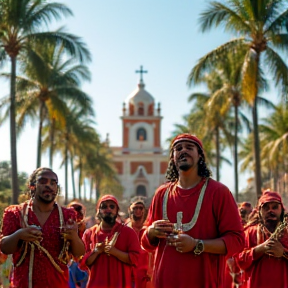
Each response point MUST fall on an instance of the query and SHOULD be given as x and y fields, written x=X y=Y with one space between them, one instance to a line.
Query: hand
x=274 y=248
x=183 y=242
x=99 y=248
x=30 y=234
x=70 y=231
x=160 y=229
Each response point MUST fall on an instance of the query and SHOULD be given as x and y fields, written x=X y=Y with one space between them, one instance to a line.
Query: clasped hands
x=102 y=247
x=165 y=229
x=30 y=234
x=273 y=248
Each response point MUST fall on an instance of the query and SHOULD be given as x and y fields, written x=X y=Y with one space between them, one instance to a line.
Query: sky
x=162 y=35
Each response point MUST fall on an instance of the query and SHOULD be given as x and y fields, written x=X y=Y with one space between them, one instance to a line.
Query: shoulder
x=13 y=209
x=162 y=189
x=217 y=186
x=68 y=212
x=251 y=229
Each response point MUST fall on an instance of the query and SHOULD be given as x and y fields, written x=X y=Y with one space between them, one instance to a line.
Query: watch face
x=200 y=246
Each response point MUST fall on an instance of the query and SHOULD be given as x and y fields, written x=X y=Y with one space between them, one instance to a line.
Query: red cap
x=106 y=198
x=245 y=204
x=187 y=137
x=269 y=196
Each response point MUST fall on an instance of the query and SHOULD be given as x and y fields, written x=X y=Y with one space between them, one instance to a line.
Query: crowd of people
x=193 y=235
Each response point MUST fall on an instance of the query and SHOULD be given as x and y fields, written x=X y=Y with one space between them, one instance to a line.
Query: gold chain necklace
x=186 y=226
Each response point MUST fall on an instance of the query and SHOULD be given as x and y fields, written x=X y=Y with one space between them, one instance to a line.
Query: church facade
x=141 y=162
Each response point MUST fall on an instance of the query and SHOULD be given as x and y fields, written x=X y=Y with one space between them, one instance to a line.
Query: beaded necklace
x=186 y=226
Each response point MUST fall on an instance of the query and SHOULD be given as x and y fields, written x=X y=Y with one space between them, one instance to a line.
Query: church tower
x=140 y=162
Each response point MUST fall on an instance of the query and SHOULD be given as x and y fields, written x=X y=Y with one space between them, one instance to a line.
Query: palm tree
x=198 y=123
x=20 y=25
x=214 y=117
x=262 y=28
x=274 y=140
x=48 y=79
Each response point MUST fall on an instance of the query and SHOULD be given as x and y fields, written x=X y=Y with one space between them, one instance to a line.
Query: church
x=141 y=162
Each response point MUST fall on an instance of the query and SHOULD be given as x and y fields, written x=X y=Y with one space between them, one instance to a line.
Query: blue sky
x=161 y=35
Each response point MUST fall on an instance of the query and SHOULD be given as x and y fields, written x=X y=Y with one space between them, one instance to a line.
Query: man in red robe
x=265 y=257
x=193 y=222
x=112 y=248
x=33 y=232
x=136 y=220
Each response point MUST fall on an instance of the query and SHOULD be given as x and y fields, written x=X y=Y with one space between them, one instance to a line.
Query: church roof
x=140 y=95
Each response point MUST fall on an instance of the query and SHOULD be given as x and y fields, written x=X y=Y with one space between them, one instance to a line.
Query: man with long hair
x=193 y=222
x=111 y=248
x=35 y=232
x=265 y=257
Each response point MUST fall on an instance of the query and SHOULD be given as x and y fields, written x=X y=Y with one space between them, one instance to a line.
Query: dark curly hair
x=33 y=177
x=172 y=174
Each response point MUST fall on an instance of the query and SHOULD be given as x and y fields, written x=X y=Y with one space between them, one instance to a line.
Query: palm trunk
x=66 y=171
x=72 y=176
x=217 y=155
x=80 y=179
x=256 y=147
x=13 y=139
x=39 y=142
x=52 y=134
x=236 y=153
x=91 y=189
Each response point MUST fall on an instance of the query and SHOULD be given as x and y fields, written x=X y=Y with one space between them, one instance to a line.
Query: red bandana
x=187 y=137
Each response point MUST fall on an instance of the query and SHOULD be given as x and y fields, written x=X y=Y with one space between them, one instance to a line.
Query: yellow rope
x=23 y=255
x=31 y=262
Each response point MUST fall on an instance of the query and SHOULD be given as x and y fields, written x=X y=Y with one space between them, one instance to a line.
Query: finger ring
x=178 y=250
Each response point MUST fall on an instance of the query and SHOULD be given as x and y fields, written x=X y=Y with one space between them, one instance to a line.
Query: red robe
x=44 y=273
x=218 y=218
x=141 y=271
x=267 y=271
x=109 y=271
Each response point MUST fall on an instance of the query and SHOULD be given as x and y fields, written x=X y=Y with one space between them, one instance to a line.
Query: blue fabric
x=77 y=276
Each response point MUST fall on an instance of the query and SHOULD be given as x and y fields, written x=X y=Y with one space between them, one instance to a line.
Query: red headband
x=106 y=198
x=269 y=196
x=187 y=137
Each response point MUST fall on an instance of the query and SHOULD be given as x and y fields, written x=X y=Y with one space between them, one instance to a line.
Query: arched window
x=141 y=134
x=141 y=190
x=140 y=109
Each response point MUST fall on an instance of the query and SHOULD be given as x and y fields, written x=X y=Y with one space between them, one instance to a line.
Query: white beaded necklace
x=187 y=226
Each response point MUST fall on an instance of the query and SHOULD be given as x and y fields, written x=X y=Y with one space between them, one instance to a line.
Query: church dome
x=140 y=95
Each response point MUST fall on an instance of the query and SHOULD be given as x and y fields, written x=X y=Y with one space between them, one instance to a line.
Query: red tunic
x=218 y=218
x=141 y=271
x=267 y=271
x=44 y=273
x=109 y=271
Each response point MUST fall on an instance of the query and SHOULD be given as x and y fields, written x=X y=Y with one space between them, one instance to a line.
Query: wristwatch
x=199 y=248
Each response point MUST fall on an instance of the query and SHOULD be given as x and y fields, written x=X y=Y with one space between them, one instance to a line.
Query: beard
x=45 y=200
x=184 y=166
x=108 y=218
x=271 y=224
x=136 y=218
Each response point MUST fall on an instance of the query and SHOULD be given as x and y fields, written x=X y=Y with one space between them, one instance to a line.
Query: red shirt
x=109 y=271
x=44 y=273
x=266 y=271
x=218 y=218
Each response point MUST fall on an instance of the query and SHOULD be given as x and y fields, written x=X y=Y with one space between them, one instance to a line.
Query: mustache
x=270 y=214
x=182 y=155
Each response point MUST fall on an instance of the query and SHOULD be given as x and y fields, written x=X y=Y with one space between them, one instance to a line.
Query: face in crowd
x=137 y=211
x=45 y=186
x=185 y=155
x=108 y=211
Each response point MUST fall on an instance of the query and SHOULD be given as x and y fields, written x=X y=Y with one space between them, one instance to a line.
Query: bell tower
x=141 y=162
